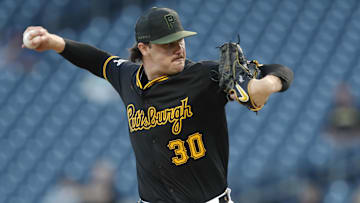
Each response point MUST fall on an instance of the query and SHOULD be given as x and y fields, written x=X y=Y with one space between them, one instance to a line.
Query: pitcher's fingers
x=32 y=34
x=37 y=30
x=43 y=31
x=32 y=28
x=36 y=41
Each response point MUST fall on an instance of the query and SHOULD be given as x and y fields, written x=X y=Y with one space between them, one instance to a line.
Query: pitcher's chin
x=178 y=66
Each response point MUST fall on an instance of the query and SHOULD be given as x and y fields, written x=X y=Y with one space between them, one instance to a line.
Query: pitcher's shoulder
x=201 y=64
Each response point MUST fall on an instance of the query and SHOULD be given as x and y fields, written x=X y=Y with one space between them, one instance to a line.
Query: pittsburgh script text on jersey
x=139 y=121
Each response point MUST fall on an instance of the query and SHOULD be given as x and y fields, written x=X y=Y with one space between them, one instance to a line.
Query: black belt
x=223 y=199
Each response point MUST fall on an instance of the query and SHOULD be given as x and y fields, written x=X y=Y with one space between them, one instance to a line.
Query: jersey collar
x=140 y=76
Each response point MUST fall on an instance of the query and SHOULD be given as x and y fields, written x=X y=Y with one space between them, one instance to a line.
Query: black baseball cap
x=160 y=26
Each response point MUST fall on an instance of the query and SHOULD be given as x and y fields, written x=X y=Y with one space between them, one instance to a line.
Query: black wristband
x=285 y=74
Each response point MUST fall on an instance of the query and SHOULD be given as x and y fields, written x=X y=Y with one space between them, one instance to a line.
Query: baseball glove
x=235 y=72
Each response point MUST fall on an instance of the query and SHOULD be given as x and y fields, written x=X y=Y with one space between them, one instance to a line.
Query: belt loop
x=228 y=191
x=215 y=200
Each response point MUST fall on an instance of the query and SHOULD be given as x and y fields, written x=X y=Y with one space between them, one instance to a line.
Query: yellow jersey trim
x=150 y=83
x=138 y=83
x=105 y=65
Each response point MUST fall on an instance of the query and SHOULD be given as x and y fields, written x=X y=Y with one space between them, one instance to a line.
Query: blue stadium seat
x=337 y=192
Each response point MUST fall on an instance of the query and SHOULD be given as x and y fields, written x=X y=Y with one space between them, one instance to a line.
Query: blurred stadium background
x=57 y=121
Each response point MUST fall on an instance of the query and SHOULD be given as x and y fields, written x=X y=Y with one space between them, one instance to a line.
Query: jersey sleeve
x=85 y=56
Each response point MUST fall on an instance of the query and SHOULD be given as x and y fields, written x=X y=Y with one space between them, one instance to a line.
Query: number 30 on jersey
x=196 y=148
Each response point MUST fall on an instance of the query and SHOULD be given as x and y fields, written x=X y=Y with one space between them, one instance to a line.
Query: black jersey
x=177 y=123
x=177 y=128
